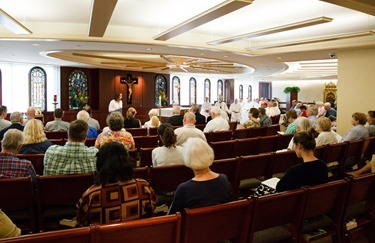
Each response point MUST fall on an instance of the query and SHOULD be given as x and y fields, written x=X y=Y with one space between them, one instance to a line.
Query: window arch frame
x=159 y=89
x=220 y=88
x=207 y=82
x=250 y=92
x=192 y=100
x=32 y=82
x=178 y=90
x=240 y=91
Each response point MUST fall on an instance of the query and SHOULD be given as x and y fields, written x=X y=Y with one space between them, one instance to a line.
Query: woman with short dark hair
x=115 y=195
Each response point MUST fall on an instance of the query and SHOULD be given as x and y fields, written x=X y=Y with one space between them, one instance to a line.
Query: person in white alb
x=116 y=103
x=272 y=109
x=188 y=130
x=206 y=107
x=235 y=111
x=218 y=123
x=221 y=104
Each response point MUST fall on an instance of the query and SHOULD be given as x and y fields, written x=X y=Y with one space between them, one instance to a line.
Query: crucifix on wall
x=129 y=81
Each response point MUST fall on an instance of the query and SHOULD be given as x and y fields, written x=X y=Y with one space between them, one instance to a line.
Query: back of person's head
x=130 y=113
x=306 y=139
x=34 y=132
x=302 y=124
x=176 y=110
x=116 y=121
x=197 y=154
x=254 y=112
x=371 y=119
x=262 y=111
x=154 y=121
x=195 y=108
x=190 y=117
x=83 y=115
x=78 y=130
x=152 y=112
x=15 y=116
x=215 y=111
x=30 y=112
x=3 y=109
x=13 y=138
x=360 y=117
x=58 y=113
x=303 y=107
x=113 y=164
x=324 y=123
x=291 y=114
x=166 y=132
x=327 y=104
x=314 y=110
x=88 y=109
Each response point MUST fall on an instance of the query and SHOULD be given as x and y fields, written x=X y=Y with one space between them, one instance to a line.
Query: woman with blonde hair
x=131 y=121
x=326 y=136
x=302 y=124
x=152 y=113
x=35 y=141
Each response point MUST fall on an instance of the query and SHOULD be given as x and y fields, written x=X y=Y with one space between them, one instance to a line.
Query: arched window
x=78 y=90
x=193 y=91
x=207 y=90
x=37 y=88
x=160 y=91
x=176 y=90
x=220 y=88
x=250 y=92
x=240 y=93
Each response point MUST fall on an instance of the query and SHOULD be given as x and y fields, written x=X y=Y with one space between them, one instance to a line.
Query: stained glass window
x=176 y=90
x=220 y=88
x=193 y=91
x=37 y=79
x=207 y=89
x=78 y=91
x=161 y=98
x=241 y=92
x=250 y=92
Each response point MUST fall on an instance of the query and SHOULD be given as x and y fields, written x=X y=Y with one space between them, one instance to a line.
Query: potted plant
x=291 y=94
x=291 y=89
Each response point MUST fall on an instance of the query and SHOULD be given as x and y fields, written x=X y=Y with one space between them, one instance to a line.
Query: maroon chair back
x=354 y=151
x=36 y=160
x=146 y=141
x=90 y=142
x=200 y=126
x=232 y=126
x=58 y=141
x=275 y=119
x=141 y=172
x=228 y=221
x=78 y=235
x=319 y=151
x=247 y=146
x=57 y=196
x=283 y=141
x=157 y=229
x=227 y=167
x=278 y=210
x=240 y=133
x=281 y=162
x=137 y=131
x=56 y=135
x=17 y=201
x=220 y=136
x=145 y=156
x=272 y=130
x=223 y=149
x=268 y=144
x=256 y=132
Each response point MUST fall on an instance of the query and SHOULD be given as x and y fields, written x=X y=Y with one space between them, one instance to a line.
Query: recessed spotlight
x=202 y=54
x=225 y=56
x=35 y=44
x=148 y=49
x=279 y=58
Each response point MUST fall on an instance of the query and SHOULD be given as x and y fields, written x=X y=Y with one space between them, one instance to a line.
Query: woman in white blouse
x=116 y=103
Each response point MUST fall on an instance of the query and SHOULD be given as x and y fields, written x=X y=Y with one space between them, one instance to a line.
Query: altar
x=168 y=111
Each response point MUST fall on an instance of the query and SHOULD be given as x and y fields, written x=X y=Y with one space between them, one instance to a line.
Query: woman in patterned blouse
x=116 y=133
x=115 y=196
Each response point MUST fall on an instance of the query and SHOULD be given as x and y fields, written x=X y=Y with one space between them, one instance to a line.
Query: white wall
x=15 y=84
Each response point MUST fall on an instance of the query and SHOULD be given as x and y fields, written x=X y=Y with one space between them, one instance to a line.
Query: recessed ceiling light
x=148 y=49
x=225 y=56
x=35 y=44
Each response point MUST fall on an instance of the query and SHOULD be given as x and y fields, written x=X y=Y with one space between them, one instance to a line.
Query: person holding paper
x=311 y=172
x=116 y=103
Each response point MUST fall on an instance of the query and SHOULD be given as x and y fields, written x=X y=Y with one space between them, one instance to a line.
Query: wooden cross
x=129 y=81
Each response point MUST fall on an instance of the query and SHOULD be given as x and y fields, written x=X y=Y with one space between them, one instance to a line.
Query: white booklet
x=272 y=182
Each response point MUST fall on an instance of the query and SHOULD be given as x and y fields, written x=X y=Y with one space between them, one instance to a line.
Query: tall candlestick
x=159 y=100
x=54 y=98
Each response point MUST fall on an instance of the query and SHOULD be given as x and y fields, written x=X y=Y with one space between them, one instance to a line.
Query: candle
x=54 y=98
x=159 y=100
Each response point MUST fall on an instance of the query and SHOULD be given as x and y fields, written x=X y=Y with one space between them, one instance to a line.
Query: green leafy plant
x=291 y=89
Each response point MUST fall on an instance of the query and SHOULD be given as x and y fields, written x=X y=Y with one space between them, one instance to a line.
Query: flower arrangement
x=79 y=99
x=163 y=99
x=291 y=89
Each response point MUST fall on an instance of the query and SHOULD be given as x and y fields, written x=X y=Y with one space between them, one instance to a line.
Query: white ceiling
x=60 y=37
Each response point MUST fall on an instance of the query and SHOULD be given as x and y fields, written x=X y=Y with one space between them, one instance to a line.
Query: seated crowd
x=117 y=196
